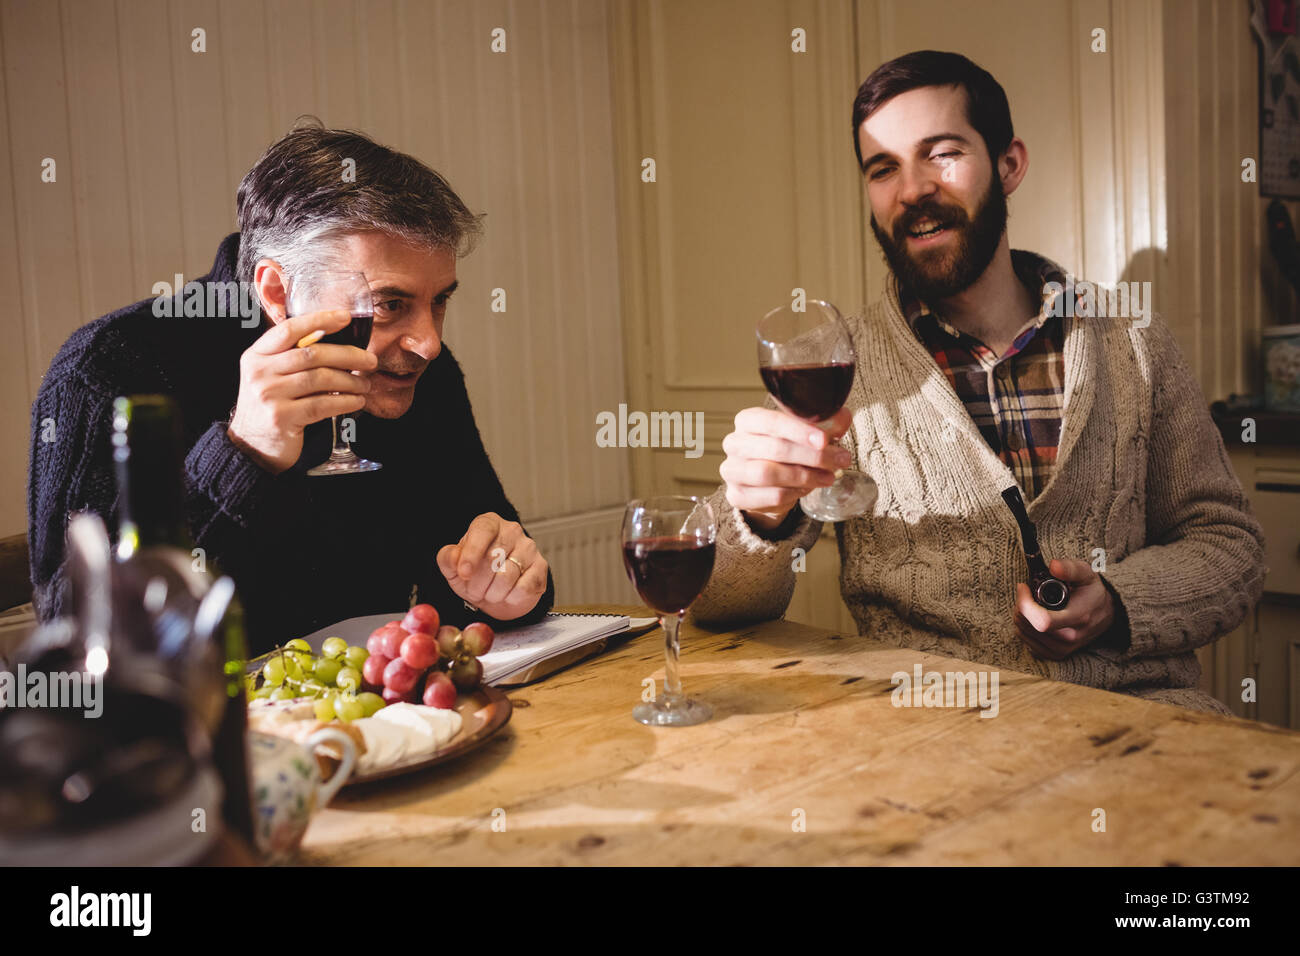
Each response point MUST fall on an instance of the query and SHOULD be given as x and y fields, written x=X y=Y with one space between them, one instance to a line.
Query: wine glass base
x=852 y=495
x=345 y=466
x=673 y=712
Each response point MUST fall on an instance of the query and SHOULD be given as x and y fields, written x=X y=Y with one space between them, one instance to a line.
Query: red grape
x=478 y=638
x=393 y=697
x=391 y=645
x=375 y=643
x=420 y=651
x=400 y=676
x=466 y=672
x=447 y=640
x=439 y=691
x=423 y=618
x=373 y=669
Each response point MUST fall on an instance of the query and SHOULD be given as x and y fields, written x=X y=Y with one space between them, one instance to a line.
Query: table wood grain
x=808 y=761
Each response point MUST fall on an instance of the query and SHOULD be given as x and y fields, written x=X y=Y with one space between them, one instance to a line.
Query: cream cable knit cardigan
x=1141 y=473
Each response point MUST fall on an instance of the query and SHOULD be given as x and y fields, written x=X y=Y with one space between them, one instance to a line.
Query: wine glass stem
x=835 y=443
x=825 y=426
x=341 y=448
x=672 y=652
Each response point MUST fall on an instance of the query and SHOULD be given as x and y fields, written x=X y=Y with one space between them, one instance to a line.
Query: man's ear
x=268 y=280
x=1013 y=165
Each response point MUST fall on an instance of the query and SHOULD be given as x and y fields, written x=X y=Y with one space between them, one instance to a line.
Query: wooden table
x=807 y=761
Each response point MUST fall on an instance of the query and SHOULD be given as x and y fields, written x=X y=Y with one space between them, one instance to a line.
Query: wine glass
x=319 y=291
x=807 y=362
x=668 y=548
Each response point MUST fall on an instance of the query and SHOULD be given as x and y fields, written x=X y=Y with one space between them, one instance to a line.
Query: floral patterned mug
x=287 y=787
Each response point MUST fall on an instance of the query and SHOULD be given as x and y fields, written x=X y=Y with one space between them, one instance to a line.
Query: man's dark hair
x=986 y=102
x=297 y=198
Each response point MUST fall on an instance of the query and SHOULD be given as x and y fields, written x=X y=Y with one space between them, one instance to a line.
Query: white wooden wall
x=151 y=140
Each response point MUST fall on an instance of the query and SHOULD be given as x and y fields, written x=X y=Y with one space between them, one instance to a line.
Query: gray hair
x=295 y=204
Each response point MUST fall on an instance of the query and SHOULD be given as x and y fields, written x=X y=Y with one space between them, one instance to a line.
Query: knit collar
x=1080 y=349
x=223 y=280
x=226 y=263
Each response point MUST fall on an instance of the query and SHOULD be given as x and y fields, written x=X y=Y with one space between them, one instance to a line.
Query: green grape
x=370 y=702
x=356 y=656
x=324 y=709
x=349 y=678
x=262 y=692
x=298 y=644
x=334 y=647
x=348 y=707
x=283 y=693
x=292 y=668
x=327 y=670
x=274 y=672
x=312 y=688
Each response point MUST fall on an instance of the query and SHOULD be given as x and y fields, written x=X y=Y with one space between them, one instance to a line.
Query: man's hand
x=283 y=388
x=495 y=567
x=774 y=459
x=1056 y=635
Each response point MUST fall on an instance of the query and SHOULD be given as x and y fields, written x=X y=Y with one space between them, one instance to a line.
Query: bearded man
x=974 y=377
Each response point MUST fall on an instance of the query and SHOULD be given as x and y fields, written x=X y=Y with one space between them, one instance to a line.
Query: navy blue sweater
x=304 y=552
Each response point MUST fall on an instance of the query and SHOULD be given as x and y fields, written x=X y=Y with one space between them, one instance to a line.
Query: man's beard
x=936 y=274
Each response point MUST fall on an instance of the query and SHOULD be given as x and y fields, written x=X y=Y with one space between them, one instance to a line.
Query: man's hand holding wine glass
x=807 y=363
x=774 y=459
x=283 y=388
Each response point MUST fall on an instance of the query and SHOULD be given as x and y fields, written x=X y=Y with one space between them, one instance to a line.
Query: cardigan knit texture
x=1142 y=481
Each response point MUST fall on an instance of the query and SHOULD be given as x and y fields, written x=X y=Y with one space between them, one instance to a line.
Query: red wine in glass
x=813 y=392
x=807 y=362
x=318 y=290
x=669 y=572
x=356 y=333
x=668 y=549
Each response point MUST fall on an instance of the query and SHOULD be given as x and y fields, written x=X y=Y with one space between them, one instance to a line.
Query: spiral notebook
x=526 y=654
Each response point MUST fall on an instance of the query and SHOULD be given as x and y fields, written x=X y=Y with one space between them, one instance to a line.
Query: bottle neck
x=150 y=479
x=134 y=538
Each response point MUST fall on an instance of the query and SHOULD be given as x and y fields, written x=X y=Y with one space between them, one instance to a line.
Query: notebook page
x=555 y=634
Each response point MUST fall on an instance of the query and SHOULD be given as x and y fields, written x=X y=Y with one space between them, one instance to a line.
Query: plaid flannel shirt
x=1016 y=399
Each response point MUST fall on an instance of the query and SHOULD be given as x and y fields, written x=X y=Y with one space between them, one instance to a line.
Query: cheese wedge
x=403 y=731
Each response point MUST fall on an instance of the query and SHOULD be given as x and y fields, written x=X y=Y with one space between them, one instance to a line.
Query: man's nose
x=424 y=342
x=916 y=185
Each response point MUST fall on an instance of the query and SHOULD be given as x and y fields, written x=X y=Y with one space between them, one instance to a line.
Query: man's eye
x=943 y=155
x=388 y=307
x=879 y=172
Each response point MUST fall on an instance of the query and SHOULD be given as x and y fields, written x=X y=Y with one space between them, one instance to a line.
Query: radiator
x=586 y=557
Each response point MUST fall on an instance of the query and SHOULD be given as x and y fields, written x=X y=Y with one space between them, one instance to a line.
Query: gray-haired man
x=305 y=552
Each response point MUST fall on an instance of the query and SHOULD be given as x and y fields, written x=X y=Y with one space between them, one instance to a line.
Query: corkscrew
x=1052 y=593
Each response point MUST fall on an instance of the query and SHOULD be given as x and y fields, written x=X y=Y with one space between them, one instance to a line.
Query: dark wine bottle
x=160 y=581
x=1051 y=593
